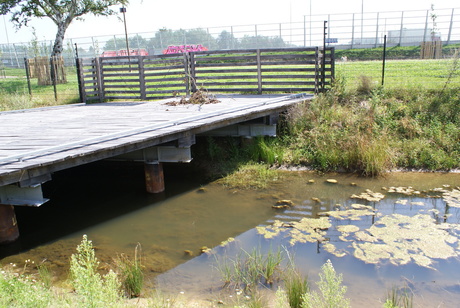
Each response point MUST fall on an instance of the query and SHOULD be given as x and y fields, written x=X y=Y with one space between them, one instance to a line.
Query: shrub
x=92 y=289
x=332 y=293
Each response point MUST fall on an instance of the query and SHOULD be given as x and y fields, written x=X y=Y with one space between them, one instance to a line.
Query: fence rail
x=288 y=70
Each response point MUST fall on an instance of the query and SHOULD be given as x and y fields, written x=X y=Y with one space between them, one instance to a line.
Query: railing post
x=259 y=73
x=332 y=64
x=192 y=72
x=140 y=63
x=187 y=72
x=316 y=70
x=100 y=85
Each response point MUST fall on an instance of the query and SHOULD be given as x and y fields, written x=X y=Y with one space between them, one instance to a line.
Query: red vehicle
x=172 y=49
x=124 y=52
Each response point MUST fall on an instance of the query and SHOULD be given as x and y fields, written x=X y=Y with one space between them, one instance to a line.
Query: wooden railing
x=288 y=70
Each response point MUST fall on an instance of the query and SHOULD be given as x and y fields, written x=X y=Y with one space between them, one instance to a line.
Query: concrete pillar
x=154 y=178
x=9 y=231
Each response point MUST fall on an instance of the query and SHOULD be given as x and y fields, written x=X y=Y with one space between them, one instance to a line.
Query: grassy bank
x=368 y=130
x=372 y=130
x=92 y=285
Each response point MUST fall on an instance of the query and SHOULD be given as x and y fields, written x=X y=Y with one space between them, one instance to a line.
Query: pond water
x=419 y=251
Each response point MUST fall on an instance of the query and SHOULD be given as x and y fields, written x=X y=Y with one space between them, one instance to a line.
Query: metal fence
x=345 y=31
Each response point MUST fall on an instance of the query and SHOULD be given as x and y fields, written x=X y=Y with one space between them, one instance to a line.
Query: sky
x=150 y=15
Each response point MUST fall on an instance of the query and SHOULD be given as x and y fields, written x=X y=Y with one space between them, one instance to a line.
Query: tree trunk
x=59 y=41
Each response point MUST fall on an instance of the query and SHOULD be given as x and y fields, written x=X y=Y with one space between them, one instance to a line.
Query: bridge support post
x=9 y=231
x=154 y=177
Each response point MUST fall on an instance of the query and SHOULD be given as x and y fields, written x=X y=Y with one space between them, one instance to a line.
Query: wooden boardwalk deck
x=38 y=142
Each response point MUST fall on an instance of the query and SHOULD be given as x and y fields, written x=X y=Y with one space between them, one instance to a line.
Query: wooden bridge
x=35 y=143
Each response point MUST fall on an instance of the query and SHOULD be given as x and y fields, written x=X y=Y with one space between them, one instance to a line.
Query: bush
x=92 y=289
x=332 y=293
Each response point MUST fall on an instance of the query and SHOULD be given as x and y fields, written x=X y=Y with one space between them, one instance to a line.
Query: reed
x=295 y=286
x=45 y=275
x=399 y=298
x=131 y=273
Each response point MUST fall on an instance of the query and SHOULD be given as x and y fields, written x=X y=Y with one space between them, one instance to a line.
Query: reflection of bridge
x=36 y=143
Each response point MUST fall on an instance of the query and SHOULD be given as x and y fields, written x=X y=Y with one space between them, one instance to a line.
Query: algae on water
x=396 y=239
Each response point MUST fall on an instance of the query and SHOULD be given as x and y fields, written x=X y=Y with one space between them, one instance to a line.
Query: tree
x=226 y=40
x=61 y=12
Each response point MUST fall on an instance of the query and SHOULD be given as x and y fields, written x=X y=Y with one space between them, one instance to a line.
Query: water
x=108 y=203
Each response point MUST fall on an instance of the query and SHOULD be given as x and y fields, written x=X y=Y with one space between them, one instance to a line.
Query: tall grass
x=375 y=130
x=131 y=273
x=250 y=269
x=399 y=298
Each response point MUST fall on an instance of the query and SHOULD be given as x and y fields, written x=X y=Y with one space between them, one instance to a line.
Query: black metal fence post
x=323 y=60
x=26 y=65
x=384 y=58
x=80 y=82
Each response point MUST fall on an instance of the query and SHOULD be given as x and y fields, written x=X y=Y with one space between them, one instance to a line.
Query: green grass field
x=407 y=74
x=418 y=74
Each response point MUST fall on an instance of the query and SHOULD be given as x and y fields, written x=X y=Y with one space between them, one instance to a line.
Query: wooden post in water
x=154 y=178
x=9 y=231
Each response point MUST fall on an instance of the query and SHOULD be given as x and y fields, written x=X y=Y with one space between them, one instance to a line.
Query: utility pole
x=123 y=10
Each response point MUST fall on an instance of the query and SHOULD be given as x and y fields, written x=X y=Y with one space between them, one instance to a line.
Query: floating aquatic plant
x=306 y=230
x=369 y=195
x=401 y=239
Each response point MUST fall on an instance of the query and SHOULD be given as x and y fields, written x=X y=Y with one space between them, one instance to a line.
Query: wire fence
x=356 y=37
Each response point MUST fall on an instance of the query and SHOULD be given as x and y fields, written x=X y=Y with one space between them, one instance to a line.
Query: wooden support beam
x=9 y=231
x=154 y=177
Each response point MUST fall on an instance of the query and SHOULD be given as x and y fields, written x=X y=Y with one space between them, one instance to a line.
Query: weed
x=45 y=275
x=18 y=290
x=365 y=85
x=332 y=293
x=132 y=277
x=251 y=175
x=92 y=289
x=399 y=298
x=281 y=299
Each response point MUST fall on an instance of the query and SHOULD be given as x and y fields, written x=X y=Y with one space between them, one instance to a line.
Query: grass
x=399 y=298
x=408 y=74
x=14 y=93
x=130 y=271
x=251 y=175
x=249 y=271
